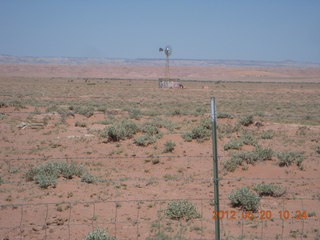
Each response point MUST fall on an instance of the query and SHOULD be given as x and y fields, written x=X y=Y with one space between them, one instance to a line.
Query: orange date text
x=262 y=214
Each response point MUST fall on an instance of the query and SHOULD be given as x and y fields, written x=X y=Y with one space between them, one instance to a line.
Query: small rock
x=22 y=125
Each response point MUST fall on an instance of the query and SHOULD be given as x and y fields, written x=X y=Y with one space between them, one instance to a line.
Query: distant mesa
x=9 y=59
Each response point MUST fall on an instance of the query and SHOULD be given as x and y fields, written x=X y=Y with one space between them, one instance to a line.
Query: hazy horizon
x=163 y=59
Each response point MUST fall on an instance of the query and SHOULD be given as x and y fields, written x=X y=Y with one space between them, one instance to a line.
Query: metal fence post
x=215 y=167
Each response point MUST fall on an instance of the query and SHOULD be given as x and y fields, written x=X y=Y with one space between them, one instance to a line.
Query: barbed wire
x=171 y=178
x=174 y=178
x=312 y=116
x=137 y=220
x=148 y=157
x=104 y=201
x=163 y=200
x=126 y=222
x=110 y=157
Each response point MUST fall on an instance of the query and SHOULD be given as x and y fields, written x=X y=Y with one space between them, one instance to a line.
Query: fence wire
x=148 y=218
x=109 y=214
x=313 y=116
x=127 y=219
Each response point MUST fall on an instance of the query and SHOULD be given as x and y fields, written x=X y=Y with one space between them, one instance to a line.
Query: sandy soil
x=266 y=74
x=133 y=192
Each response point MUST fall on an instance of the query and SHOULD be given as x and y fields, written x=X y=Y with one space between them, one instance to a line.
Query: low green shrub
x=102 y=108
x=120 y=130
x=227 y=129
x=199 y=133
x=68 y=170
x=83 y=110
x=150 y=128
x=166 y=123
x=3 y=104
x=267 y=134
x=182 y=209
x=133 y=113
x=231 y=164
x=151 y=133
x=52 y=108
x=206 y=123
x=88 y=178
x=155 y=160
x=270 y=189
x=16 y=103
x=318 y=149
x=288 y=158
x=145 y=139
x=99 y=234
x=246 y=120
x=258 y=154
x=233 y=144
x=63 y=112
x=224 y=115
x=169 y=146
x=197 y=111
x=263 y=154
x=45 y=180
x=248 y=139
x=162 y=123
x=105 y=121
x=187 y=136
x=237 y=159
x=46 y=174
x=245 y=198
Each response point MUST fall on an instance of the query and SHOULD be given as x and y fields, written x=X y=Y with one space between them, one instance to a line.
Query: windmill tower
x=167 y=51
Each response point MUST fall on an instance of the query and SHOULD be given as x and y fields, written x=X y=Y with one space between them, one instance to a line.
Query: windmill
x=167 y=51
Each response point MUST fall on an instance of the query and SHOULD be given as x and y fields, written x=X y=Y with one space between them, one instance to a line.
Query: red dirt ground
x=265 y=74
x=183 y=174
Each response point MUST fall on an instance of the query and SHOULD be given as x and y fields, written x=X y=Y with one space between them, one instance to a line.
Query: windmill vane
x=168 y=51
x=167 y=82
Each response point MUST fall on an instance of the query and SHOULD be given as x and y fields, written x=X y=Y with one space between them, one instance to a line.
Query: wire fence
x=291 y=216
x=313 y=116
x=146 y=218
x=288 y=217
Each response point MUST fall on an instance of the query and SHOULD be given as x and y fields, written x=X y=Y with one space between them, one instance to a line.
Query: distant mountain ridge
x=9 y=59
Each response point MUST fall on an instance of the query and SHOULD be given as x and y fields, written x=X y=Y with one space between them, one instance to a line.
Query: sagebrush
x=99 y=234
x=270 y=189
x=245 y=198
x=46 y=174
x=182 y=209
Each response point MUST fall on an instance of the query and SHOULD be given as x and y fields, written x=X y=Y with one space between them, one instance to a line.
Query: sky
x=262 y=30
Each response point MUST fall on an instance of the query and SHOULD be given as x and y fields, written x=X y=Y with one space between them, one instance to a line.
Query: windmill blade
x=168 y=51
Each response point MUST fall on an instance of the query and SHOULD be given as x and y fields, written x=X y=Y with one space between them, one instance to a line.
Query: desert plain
x=87 y=146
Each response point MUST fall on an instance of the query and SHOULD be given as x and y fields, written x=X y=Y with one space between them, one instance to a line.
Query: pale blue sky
x=271 y=30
